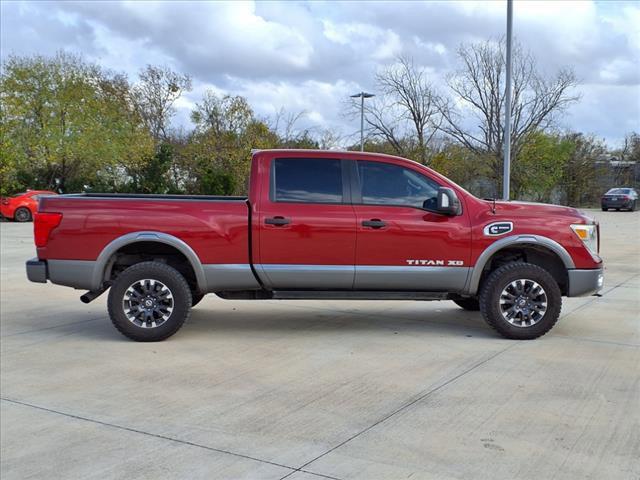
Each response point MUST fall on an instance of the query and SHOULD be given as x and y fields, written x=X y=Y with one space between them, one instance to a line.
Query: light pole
x=362 y=96
x=507 y=109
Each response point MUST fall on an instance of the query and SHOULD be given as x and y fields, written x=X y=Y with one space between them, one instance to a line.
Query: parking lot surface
x=320 y=389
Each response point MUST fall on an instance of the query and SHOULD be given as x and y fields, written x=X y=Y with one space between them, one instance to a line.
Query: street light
x=362 y=96
x=506 y=180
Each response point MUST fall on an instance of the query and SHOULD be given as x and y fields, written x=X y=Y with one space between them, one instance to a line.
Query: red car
x=21 y=206
x=319 y=225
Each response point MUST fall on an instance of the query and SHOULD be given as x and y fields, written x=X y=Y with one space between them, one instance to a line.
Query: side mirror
x=447 y=202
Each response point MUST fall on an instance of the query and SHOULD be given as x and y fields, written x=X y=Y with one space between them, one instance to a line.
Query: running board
x=356 y=295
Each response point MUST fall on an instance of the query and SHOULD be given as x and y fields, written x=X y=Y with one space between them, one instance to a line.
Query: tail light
x=4 y=201
x=43 y=225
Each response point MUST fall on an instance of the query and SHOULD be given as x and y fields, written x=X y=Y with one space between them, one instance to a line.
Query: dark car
x=619 y=198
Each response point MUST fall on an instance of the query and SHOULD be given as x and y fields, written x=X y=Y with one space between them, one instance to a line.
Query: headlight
x=589 y=236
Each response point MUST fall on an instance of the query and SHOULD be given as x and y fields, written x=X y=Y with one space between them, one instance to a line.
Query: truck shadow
x=281 y=318
x=407 y=318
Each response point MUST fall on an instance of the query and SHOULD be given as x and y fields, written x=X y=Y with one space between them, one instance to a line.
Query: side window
x=387 y=184
x=306 y=180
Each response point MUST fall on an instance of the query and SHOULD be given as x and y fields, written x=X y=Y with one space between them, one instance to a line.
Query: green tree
x=581 y=171
x=63 y=118
x=540 y=165
x=217 y=157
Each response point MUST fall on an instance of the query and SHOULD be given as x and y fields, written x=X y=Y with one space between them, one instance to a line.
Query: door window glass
x=310 y=180
x=388 y=184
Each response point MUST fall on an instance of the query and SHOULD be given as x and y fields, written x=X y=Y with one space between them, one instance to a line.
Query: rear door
x=307 y=226
x=400 y=244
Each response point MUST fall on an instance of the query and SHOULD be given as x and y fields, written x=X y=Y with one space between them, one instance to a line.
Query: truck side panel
x=217 y=232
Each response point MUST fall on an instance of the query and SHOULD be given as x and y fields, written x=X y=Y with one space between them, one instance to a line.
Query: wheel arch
x=104 y=261
x=517 y=242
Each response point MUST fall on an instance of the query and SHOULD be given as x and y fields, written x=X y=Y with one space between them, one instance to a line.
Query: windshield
x=619 y=191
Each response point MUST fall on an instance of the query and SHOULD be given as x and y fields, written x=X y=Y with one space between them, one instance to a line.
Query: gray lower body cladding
x=81 y=274
x=363 y=277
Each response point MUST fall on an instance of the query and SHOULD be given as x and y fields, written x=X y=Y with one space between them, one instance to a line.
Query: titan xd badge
x=498 y=228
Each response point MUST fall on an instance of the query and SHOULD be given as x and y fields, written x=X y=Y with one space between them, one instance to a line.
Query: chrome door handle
x=374 y=223
x=277 y=221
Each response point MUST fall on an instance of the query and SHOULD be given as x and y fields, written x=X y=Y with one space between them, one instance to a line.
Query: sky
x=310 y=56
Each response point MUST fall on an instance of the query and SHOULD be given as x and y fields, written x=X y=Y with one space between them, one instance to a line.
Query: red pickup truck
x=319 y=225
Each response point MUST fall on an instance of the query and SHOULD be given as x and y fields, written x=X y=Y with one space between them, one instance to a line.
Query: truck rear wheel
x=520 y=301
x=149 y=301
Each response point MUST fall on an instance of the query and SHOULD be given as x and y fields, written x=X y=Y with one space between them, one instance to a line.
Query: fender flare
x=100 y=267
x=545 y=242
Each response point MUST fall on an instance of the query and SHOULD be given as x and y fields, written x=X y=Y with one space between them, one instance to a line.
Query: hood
x=538 y=209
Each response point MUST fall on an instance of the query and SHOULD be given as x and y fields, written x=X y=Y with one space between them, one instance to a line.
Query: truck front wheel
x=149 y=301
x=520 y=301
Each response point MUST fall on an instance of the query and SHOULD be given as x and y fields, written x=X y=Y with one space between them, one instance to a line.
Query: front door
x=400 y=244
x=307 y=226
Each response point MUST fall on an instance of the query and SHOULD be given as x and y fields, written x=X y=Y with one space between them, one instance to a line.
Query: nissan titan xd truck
x=319 y=225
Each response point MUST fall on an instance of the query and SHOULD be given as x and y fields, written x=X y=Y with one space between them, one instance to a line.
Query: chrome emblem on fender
x=498 y=228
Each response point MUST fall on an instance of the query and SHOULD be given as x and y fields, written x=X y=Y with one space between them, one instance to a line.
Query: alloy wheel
x=523 y=303
x=148 y=303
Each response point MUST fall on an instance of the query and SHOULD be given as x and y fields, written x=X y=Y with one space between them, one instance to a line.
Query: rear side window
x=306 y=180
x=619 y=191
x=388 y=184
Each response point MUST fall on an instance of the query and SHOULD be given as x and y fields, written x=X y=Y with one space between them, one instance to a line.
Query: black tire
x=195 y=298
x=605 y=209
x=500 y=280
x=22 y=215
x=469 y=303
x=169 y=279
x=633 y=206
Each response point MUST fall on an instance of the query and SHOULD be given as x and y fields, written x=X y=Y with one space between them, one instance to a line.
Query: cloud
x=311 y=55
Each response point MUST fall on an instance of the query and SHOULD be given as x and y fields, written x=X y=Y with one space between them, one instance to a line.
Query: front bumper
x=585 y=282
x=37 y=270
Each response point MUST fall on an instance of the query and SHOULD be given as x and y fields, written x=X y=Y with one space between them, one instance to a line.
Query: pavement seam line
x=157 y=435
x=54 y=327
x=594 y=299
x=594 y=340
x=404 y=407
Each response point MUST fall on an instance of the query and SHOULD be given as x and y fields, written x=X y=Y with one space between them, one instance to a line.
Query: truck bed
x=215 y=227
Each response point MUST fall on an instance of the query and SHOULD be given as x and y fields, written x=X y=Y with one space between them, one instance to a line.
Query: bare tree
x=330 y=139
x=154 y=97
x=626 y=159
x=285 y=124
x=478 y=89
x=405 y=114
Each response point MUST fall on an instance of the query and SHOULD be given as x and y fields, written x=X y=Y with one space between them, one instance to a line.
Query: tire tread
x=135 y=335
x=497 y=323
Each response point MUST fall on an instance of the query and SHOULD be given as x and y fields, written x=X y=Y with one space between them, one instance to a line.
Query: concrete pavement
x=320 y=389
